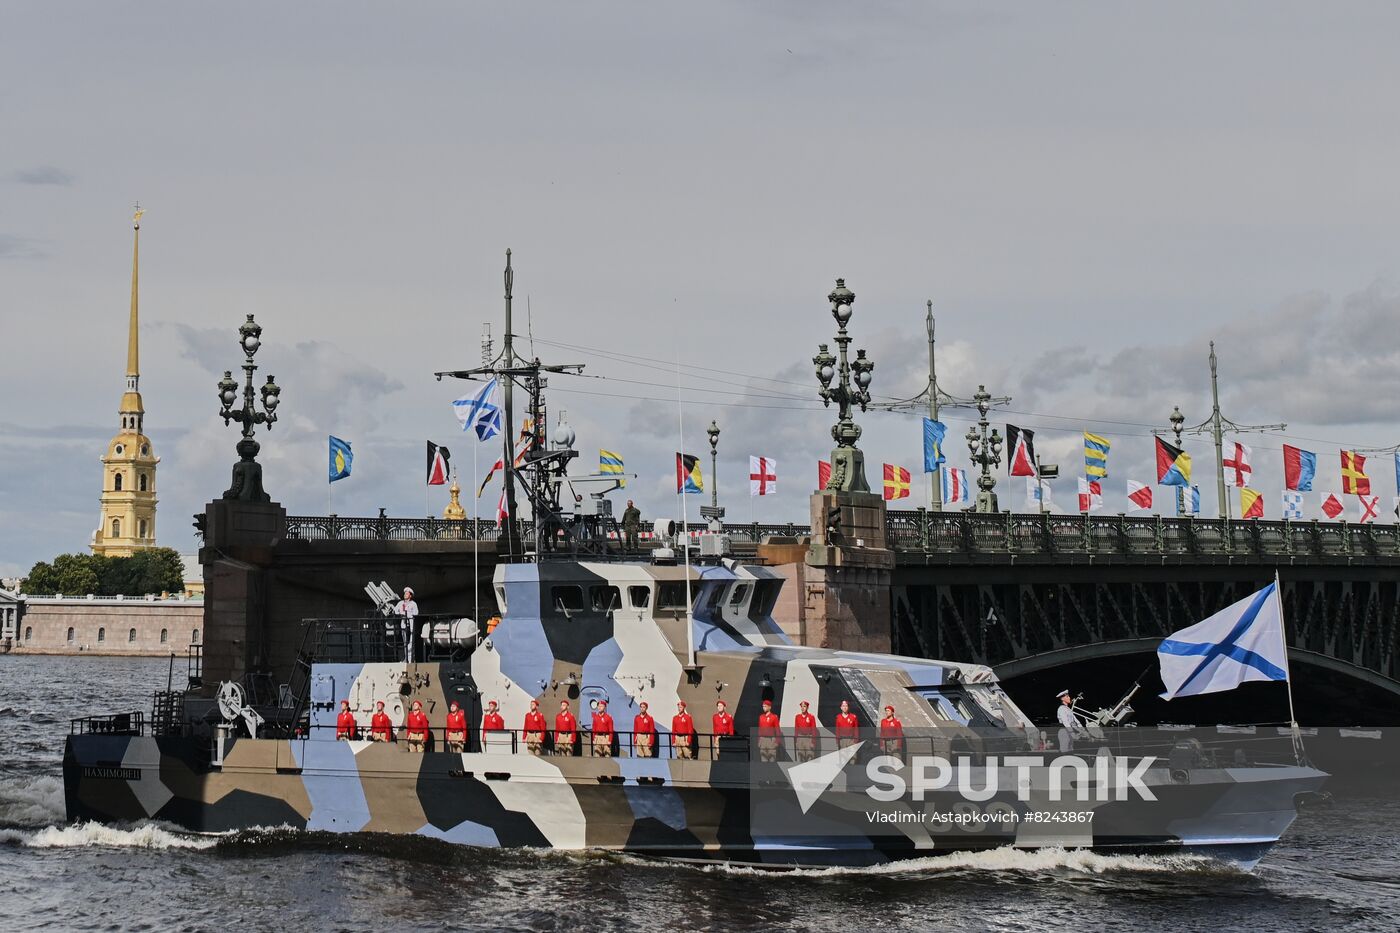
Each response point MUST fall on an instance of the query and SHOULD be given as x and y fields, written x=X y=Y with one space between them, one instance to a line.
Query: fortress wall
x=110 y=627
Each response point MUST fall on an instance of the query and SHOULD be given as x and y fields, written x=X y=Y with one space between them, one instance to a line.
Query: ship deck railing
x=1216 y=748
x=133 y=723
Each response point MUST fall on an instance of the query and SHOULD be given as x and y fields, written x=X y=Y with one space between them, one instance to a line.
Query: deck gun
x=1114 y=715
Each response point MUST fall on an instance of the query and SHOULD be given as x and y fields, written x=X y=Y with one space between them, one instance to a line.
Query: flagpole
x=476 y=545
x=1288 y=674
x=685 y=529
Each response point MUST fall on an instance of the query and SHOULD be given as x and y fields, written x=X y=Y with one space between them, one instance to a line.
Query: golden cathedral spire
x=133 y=353
x=128 y=501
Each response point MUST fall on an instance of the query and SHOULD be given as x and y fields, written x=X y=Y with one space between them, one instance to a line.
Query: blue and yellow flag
x=688 y=478
x=610 y=464
x=1095 y=457
x=934 y=432
x=341 y=459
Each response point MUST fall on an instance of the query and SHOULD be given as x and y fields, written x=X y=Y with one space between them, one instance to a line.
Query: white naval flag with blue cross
x=1240 y=643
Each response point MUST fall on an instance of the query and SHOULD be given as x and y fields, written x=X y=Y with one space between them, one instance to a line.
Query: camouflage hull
x=703 y=810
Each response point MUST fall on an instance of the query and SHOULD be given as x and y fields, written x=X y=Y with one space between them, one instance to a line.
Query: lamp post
x=1177 y=419
x=712 y=512
x=852 y=388
x=713 y=431
x=986 y=451
x=247 y=472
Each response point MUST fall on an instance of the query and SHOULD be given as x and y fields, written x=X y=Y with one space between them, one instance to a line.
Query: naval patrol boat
x=584 y=621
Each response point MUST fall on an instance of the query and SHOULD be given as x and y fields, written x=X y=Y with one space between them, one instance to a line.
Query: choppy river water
x=1338 y=867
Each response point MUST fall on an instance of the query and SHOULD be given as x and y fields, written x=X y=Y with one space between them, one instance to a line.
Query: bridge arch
x=1048 y=660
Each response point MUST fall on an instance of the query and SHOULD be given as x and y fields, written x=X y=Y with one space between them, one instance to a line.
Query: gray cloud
x=44 y=175
x=19 y=247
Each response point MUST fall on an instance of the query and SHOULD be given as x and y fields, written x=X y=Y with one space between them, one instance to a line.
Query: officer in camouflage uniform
x=631 y=522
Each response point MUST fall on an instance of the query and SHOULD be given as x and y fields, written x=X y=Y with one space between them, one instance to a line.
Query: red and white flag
x=438 y=458
x=1090 y=495
x=501 y=512
x=1370 y=507
x=823 y=473
x=1331 y=505
x=1139 y=497
x=1021 y=444
x=1237 y=468
x=763 y=476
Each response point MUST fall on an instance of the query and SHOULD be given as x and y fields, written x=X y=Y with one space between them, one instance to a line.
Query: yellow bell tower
x=129 y=467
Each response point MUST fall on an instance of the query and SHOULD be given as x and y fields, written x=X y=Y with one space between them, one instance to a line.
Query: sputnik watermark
x=1098 y=779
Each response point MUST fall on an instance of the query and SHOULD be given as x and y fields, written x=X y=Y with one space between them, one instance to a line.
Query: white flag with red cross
x=763 y=476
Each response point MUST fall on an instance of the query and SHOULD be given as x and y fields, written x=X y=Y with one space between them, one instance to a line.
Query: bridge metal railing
x=916 y=533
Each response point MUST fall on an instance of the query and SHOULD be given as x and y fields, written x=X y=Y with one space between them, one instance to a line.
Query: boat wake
x=81 y=835
x=31 y=801
x=1012 y=860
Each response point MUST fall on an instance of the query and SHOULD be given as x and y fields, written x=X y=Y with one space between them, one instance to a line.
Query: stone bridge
x=1039 y=597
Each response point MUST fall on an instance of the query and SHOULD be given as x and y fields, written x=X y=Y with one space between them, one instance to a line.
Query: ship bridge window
x=671 y=596
x=639 y=596
x=715 y=600
x=567 y=599
x=765 y=597
x=739 y=594
x=604 y=598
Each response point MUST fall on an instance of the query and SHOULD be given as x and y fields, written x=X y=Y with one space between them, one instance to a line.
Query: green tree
x=148 y=571
x=41 y=579
x=70 y=574
x=154 y=570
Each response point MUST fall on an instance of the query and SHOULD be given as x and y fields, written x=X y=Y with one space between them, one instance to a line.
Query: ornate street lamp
x=852 y=388
x=713 y=431
x=1177 y=419
x=713 y=512
x=247 y=472
x=985 y=450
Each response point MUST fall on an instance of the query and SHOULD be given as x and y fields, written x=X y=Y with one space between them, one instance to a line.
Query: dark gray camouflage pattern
x=621 y=636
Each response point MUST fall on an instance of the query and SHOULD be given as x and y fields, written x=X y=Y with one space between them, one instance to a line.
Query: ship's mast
x=936 y=495
x=508 y=368
x=507 y=360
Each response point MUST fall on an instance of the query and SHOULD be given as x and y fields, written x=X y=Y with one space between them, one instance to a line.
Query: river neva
x=1337 y=867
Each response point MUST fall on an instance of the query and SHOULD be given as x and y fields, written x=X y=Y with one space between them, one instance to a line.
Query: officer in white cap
x=1070 y=727
x=407 y=611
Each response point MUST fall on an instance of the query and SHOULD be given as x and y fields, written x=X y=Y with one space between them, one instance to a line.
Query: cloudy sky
x=1088 y=193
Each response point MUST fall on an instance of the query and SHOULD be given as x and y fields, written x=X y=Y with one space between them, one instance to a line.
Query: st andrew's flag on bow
x=341 y=458
x=688 y=478
x=479 y=412
x=1240 y=643
x=438 y=458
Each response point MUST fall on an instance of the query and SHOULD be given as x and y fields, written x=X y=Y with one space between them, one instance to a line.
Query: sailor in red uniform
x=534 y=728
x=804 y=726
x=417 y=728
x=722 y=724
x=345 y=726
x=683 y=732
x=770 y=735
x=380 y=729
x=891 y=734
x=491 y=722
x=847 y=726
x=602 y=730
x=565 y=730
x=456 y=729
x=644 y=733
